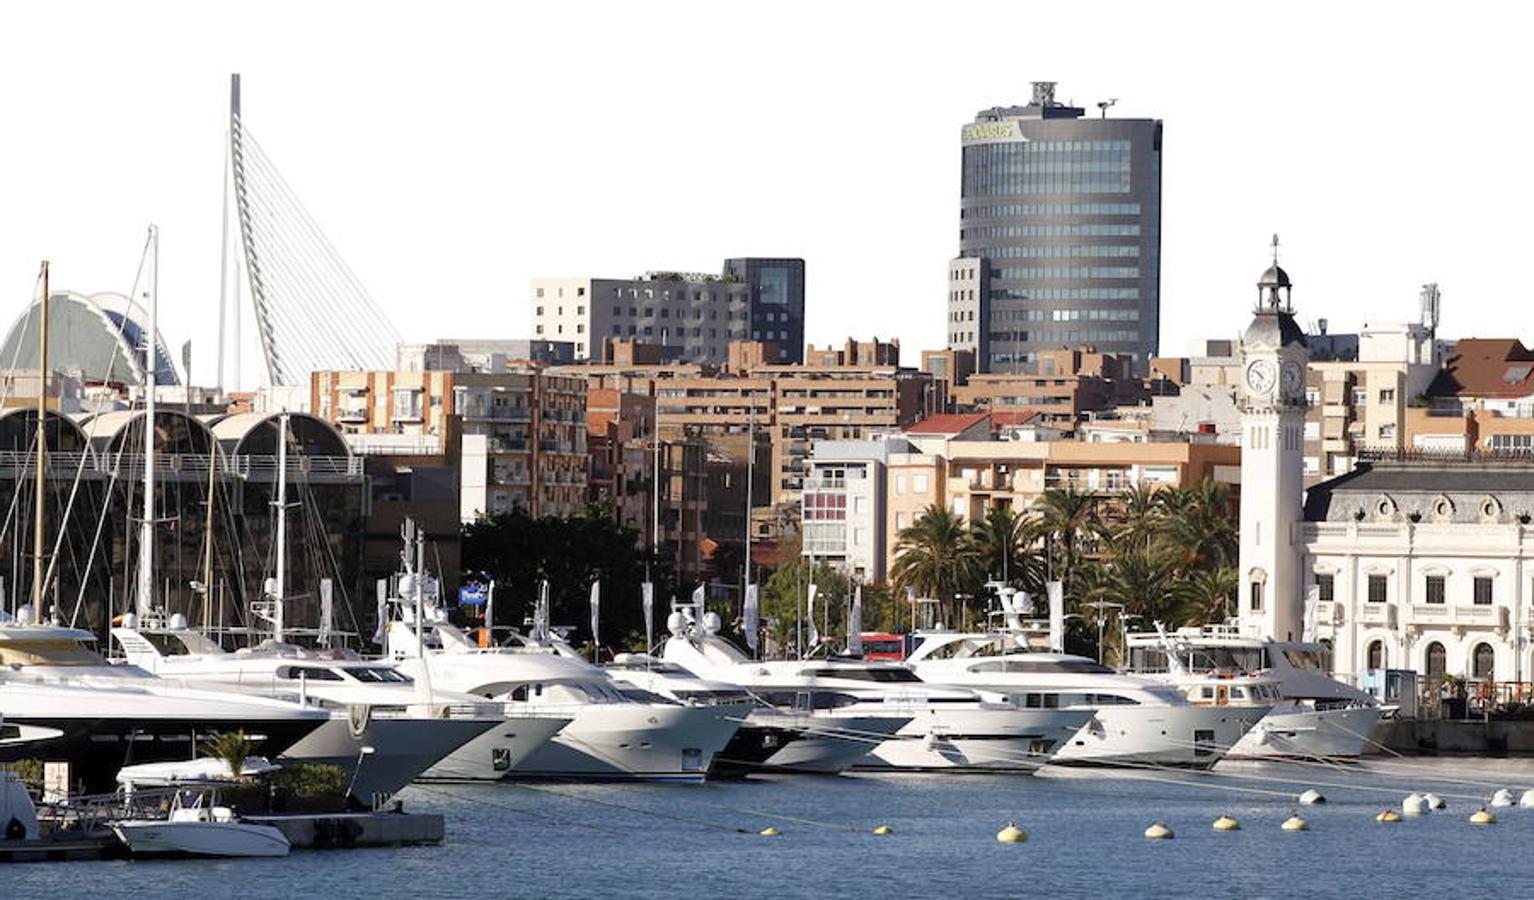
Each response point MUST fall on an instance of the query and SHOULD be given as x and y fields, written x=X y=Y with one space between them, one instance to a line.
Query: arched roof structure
x=18 y=428
x=255 y=434
x=175 y=431
x=100 y=336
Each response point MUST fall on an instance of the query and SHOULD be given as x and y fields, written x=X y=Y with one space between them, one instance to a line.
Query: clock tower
x=1271 y=397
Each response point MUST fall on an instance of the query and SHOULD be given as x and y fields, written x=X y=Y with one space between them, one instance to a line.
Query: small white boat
x=199 y=830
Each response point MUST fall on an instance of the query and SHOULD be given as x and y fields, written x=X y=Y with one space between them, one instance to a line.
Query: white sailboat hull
x=218 y=839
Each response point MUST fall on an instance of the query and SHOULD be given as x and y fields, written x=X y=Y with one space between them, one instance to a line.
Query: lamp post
x=365 y=750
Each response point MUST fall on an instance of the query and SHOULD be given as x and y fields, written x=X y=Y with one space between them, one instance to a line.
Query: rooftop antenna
x=1103 y=105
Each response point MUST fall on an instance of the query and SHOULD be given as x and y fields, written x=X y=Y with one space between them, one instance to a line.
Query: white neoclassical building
x=1425 y=565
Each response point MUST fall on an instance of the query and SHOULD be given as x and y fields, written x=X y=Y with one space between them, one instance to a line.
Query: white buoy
x=1159 y=832
x=1414 y=804
x=1434 y=801
x=1504 y=797
x=1527 y=800
x=1311 y=797
x=1295 y=823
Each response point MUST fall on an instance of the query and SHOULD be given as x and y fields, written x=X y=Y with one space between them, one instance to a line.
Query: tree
x=233 y=747
x=1205 y=595
x=783 y=601
x=936 y=557
x=520 y=552
x=1066 y=521
x=1001 y=542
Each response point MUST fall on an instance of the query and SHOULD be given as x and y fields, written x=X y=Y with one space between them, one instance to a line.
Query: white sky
x=452 y=151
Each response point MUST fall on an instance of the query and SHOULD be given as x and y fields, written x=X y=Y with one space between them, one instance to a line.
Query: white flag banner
x=1056 y=591
x=855 y=624
x=596 y=616
x=1308 y=627
x=699 y=598
x=382 y=585
x=647 y=594
x=750 y=617
x=327 y=609
x=814 y=634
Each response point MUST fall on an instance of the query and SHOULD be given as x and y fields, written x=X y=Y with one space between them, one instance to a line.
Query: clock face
x=1261 y=376
x=1294 y=379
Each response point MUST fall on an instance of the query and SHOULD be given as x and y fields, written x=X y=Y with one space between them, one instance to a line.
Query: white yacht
x=73 y=706
x=611 y=735
x=1317 y=716
x=820 y=741
x=385 y=728
x=1135 y=720
x=949 y=728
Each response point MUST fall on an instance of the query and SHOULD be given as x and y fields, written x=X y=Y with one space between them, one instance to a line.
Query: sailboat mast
x=280 y=591
x=145 y=598
x=42 y=449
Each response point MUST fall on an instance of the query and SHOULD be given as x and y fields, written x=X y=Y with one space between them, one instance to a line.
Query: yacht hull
x=1303 y=733
x=986 y=739
x=831 y=744
x=495 y=754
x=624 y=741
x=1194 y=737
x=402 y=748
x=201 y=839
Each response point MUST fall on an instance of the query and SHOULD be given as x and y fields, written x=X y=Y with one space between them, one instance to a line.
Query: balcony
x=1378 y=614
x=1329 y=612
x=352 y=414
x=1427 y=614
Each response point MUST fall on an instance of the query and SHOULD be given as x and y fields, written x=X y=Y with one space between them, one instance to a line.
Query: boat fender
x=1158 y=831
x=1011 y=834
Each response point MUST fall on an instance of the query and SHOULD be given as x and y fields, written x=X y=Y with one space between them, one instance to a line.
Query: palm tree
x=1139 y=516
x=1002 y=543
x=233 y=747
x=1200 y=528
x=1205 y=594
x=1066 y=519
x=936 y=557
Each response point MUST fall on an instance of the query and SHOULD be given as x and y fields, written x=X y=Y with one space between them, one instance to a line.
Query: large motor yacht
x=821 y=741
x=1317 y=716
x=385 y=730
x=611 y=735
x=949 y=728
x=98 y=717
x=1135 y=720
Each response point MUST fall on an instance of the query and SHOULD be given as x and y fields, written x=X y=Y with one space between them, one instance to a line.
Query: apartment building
x=846 y=393
x=690 y=316
x=843 y=507
x=1066 y=387
x=522 y=434
x=1481 y=402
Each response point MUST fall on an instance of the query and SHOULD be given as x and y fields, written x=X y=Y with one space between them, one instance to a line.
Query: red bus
x=880 y=645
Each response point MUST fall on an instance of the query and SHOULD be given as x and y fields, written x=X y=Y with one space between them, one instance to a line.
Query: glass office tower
x=1059 y=235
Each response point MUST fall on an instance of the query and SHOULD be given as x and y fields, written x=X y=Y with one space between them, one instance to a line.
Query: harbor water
x=1085 y=838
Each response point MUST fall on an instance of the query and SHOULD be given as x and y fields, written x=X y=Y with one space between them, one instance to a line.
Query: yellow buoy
x=769 y=831
x=1226 y=823
x=1388 y=815
x=1482 y=816
x=884 y=829
x=1159 y=832
x=1011 y=834
x=1295 y=823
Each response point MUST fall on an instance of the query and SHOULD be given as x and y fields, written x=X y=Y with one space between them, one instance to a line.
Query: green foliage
x=311 y=780
x=233 y=747
x=29 y=770
x=937 y=557
x=783 y=601
x=519 y=551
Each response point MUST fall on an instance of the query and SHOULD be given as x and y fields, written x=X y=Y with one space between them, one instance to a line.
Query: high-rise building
x=1059 y=234
x=692 y=316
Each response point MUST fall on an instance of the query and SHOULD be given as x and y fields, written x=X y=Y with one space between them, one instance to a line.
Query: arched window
x=1437 y=660
x=1376 y=655
x=1326 y=655
x=1485 y=661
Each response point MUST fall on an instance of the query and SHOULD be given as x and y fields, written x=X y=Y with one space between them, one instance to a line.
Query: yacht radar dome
x=712 y=623
x=676 y=623
x=178 y=622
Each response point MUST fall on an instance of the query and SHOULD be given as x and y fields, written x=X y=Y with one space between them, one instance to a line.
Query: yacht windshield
x=890 y=675
x=1242 y=659
x=1305 y=660
x=378 y=674
x=49 y=652
x=1045 y=665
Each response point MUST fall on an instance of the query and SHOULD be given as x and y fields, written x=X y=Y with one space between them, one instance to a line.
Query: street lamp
x=364 y=751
